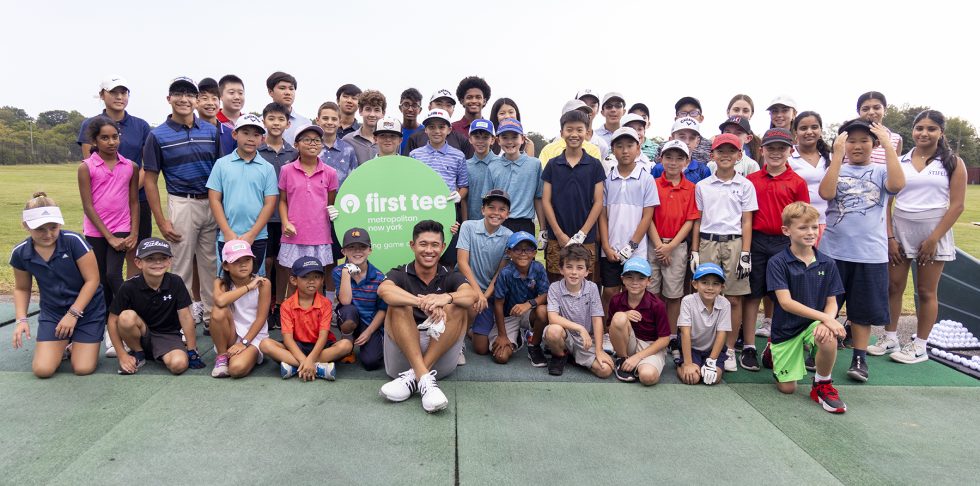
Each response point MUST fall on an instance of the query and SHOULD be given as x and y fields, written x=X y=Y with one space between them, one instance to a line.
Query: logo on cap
x=239 y=246
x=355 y=234
x=311 y=263
x=152 y=243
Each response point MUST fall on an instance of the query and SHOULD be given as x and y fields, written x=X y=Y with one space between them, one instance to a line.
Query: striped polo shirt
x=579 y=307
x=448 y=161
x=364 y=293
x=185 y=155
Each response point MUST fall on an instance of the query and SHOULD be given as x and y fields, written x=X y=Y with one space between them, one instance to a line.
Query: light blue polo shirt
x=522 y=181
x=486 y=250
x=244 y=186
x=478 y=173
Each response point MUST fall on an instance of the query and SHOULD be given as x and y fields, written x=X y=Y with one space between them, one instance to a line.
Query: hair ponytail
x=943 y=151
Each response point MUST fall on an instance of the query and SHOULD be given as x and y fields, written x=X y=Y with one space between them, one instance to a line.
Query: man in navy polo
x=114 y=92
x=184 y=148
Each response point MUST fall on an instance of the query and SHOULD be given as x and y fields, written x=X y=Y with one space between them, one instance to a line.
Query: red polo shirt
x=677 y=206
x=773 y=195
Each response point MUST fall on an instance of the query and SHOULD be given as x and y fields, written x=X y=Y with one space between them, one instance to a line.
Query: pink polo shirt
x=110 y=195
x=306 y=201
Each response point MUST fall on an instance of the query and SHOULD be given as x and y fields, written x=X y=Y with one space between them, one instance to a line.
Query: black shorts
x=275 y=235
x=520 y=224
x=336 y=246
x=146 y=221
x=307 y=348
x=865 y=292
x=610 y=273
x=157 y=344
x=764 y=247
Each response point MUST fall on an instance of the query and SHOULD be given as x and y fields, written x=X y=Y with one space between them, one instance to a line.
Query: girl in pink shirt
x=108 y=184
x=307 y=188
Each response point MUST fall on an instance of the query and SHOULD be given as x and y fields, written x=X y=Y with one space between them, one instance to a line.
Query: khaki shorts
x=657 y=360
x=573 y=345
x=513 y=324
x=668 y=280
x=552 y=260
x=726 y=255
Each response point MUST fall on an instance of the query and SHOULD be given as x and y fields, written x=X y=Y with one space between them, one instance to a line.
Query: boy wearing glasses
x=410 y=104
x=242 y=191
x=613 y=107
x=690 y=107
x=520 y=295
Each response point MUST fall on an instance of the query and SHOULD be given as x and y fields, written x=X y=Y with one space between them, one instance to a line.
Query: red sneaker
x=825 y=394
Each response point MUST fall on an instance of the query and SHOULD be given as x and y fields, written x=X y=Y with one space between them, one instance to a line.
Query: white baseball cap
x=624 y=132
x=575 y=104
x=443 y=93
x=586 y=92
x=389 y=125
x=630 y=118
x=612 y=95
x=685 y=123
x=782 y=100
x=675 y=144
x=112 y=82
x=437 y=114
x=249 y=120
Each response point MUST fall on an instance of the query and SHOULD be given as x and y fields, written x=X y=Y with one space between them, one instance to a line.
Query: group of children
x=624 y=236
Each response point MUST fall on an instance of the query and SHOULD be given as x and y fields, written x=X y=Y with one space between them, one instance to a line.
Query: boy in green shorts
x=804 y=284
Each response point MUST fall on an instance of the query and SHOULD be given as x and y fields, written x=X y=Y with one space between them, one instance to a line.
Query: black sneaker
x=623 y=375
x=207 y=328
x=848 y=341
x=274 y=320
x=674 y=348
x=808 y=361
x=859 y=369
x=739 y=343
x=556 y=365
x=536 y=355
x=749 y=360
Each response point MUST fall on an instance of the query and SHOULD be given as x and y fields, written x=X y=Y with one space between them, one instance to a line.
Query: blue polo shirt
x=478 y=175
x=132 y=135
x=228 y=143
x=244 y=185
x=522 y=181
x=407 y=132
x=486 y=249
x=517 y=289
x=364 y=293
x=573 y=192
x=809 y=285
x=447 y=161
x=58 y=280
x=341 y=157
x=185 y=155
x=695 y=171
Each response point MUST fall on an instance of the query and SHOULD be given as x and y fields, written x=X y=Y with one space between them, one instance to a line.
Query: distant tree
x=538 y=139
x=52 y=118
x=12 y=116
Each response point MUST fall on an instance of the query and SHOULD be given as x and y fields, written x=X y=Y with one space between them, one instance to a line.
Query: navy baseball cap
x=306 y=265
x=856 y=124
x=638 y=265
x=480 y=124
x=510 y=125
x=709 y=269
x=516 y=238
x=152 y=246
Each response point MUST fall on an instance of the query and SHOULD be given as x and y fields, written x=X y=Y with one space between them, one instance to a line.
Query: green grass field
x=59 y=181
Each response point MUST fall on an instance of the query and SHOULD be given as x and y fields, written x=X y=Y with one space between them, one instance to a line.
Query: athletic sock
x=817 y=377
x=919 y=343
x=891 y=335
x=748 y=346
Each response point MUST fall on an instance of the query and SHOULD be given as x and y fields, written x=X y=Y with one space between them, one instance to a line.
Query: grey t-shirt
x=856 y=216
x=703 y=325
x=579 y=307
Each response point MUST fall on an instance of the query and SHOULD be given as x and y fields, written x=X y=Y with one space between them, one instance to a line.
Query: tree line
x=51 y=137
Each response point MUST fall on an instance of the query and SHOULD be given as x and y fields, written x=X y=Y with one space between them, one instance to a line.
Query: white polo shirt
x=722 y=203
x=812 y=175
x=624 y=199
x=924 y=190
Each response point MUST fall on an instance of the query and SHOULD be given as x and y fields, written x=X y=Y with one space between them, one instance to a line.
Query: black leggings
x=110 y=264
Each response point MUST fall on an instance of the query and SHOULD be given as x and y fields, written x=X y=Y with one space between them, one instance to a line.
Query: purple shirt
x=110 y=195
x=306 y=202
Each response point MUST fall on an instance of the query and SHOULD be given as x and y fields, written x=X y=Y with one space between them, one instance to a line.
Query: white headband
x=37 y=217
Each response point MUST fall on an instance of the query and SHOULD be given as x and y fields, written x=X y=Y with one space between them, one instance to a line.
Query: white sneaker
x=884 y=346
x=607 y=345
x=461 y=361
x=197 y=311
x=731 y=364
x=401 y=388
x=433 y=399
x=110 y=351
x=909 y=354
x=765 y=329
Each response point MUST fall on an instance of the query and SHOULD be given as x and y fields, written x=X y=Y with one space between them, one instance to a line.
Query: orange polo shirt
x=305 y=324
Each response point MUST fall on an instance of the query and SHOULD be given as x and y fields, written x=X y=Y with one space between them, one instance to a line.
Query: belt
x=189 y=196
x=720 y=238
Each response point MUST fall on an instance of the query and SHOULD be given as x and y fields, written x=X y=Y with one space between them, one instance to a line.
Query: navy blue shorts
x=89 y=329
x=485 y=321
x=307 y=348
x=764 y=247
x=865 y=292
x=698 y=357
x=610 y=273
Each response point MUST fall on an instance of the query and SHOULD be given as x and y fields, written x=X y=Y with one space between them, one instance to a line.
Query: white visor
x=37 y=217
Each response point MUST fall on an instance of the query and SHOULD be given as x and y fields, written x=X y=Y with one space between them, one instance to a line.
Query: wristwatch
x=244 y=342
x=534 y=303
x=633 y=245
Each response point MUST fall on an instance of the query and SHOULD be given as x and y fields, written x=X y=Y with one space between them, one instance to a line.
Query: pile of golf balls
x=972 y=363
x=952 y=335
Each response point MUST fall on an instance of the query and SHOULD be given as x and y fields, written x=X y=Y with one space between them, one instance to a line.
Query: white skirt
x=911 y=229
x=289 y=253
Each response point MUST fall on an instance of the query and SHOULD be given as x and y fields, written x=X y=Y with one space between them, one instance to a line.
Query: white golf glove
x=542 y=239
x=625 y=253
x=709 y=371
x=352 y=269
x=578 y=238
x=332 y=212
x=433 y=329
x=695 y=261
x=454 y=197
x=744 y=265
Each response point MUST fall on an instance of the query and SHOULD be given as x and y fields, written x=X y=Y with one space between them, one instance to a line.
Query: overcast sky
x=822 y=53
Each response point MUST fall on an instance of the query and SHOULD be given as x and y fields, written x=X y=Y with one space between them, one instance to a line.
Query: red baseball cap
x=728 y=138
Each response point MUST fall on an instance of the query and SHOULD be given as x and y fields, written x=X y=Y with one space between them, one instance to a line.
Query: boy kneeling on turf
x=150 y=310
x=704 y=323
x=638 y=329
x=802 y=281
x=308 y=348
x=520 y=295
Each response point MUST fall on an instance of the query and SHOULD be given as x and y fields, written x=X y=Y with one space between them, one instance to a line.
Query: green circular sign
x=387 y=196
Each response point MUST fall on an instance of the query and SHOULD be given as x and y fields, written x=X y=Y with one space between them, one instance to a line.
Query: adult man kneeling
x=426 y=320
